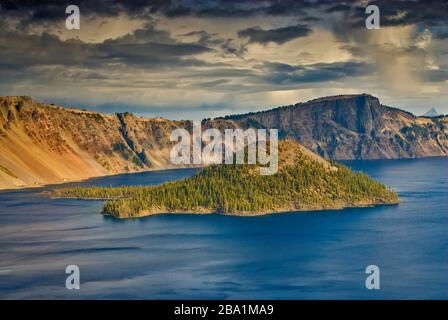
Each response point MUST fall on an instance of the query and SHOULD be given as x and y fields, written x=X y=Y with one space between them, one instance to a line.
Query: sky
x=190 y=59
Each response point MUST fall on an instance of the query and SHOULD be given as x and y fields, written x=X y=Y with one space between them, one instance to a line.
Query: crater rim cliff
x=40 y=145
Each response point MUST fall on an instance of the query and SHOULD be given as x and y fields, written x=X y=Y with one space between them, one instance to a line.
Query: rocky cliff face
x=354 y=127
x=41 y=143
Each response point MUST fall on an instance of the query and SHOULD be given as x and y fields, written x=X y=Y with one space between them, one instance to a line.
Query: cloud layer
x=186 y=59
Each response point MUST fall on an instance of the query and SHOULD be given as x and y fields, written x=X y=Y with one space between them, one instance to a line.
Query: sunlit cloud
x=212 y=58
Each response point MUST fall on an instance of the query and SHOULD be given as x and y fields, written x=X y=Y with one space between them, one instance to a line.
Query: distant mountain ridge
x=42 y=143
x=432 y=113
x=354 y=127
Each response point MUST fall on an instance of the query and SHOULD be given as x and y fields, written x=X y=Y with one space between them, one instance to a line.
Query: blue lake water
x=313 y=255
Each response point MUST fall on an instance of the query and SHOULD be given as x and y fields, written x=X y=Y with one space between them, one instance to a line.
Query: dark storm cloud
x=51 y=9
x=396 y=12
x=204 y=37
x=156 y=65
x=279 y=36
x=440 y=75
x=146 y=47
x=238 y=8
x=429 y=12
x=34 y=12
x=284 y=74
x=154 y=54
x=226 y=46
x=339 y=7
x=39 y=11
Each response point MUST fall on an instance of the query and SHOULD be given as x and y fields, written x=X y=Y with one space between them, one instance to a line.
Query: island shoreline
x=245 y=214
